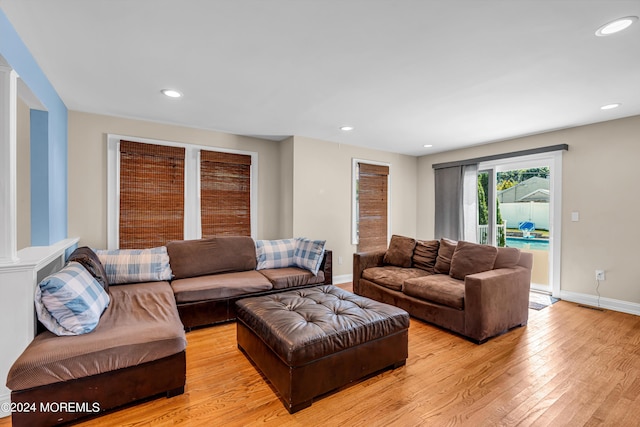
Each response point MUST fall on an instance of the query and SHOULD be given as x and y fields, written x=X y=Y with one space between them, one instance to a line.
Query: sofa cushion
x=275 y=253
x=71 y=301
x=438 y=288
x=309 y=254
x=392 y=277
x=201 y=257
x=135 y=265
x=471 y=258
x=445 y=253
x=283 y=278
x=219 y=286
x=400 y=251
x=507 y=258
x=140 y=325
x=91 y=262
x=425 y=254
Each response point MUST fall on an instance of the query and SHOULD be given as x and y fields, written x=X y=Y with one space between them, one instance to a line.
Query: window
x=225 y=202
x=151 y=195
x=370 y=205
x=160 y=191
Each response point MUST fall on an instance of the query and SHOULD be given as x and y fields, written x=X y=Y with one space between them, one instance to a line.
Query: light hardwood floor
x=569 y=366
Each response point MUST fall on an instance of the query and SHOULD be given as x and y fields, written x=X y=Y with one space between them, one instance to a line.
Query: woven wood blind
x=151 y=195
x=225 y=194
x=372 y=198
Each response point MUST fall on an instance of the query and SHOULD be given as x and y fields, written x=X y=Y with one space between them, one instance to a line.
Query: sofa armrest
x=327 y=267
x=362 y=261
x=495 y=301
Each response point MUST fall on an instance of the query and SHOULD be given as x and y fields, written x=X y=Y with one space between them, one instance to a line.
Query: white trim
x=354 y=204
x=113 y=192
x=602 y=302
x=8 y=165
x=193 y=221
x=343 y=278
x=192 y=217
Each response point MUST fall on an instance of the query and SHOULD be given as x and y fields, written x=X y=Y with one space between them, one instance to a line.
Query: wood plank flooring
x=570 y=366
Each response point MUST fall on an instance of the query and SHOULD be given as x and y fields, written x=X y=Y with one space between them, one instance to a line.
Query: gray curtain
x=452 y=193
x=448 y=209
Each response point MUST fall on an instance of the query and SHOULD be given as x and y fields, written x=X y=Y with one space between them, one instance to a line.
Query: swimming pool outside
x=525 y=243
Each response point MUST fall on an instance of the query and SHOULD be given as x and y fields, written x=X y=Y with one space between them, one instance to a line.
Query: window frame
x=192 y=220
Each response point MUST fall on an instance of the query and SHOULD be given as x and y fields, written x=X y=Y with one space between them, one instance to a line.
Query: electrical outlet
x=340 y=260
x=599 y=274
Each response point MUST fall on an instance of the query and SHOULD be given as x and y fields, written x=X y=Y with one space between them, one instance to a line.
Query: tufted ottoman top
x=306 y=324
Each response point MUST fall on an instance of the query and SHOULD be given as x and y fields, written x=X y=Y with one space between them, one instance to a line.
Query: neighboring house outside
x=526 y=201
x=535 y=189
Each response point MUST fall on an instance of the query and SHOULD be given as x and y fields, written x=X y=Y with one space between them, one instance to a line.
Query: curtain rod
x=559 y=147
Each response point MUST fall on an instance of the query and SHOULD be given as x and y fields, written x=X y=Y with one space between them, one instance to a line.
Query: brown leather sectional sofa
x=478 y=291
x=210 y=275
x=136 y=351
x=138 y=348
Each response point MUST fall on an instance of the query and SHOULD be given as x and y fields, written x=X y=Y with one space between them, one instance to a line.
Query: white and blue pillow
x=135 y=265
x=309 y=254
x=275 y=253
x=71 y=301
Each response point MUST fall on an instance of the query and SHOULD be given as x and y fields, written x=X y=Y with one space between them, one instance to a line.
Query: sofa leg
x=399 y=364
x=175 y=392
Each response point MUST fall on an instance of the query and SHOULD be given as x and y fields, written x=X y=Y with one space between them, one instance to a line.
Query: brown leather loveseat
x=478 y=291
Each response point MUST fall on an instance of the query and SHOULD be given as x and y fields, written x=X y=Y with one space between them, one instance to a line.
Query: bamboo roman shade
x=151 y=195
x=225 y=194
x=372 y=200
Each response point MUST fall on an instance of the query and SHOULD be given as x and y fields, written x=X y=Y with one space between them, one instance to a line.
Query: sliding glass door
x=519 y=206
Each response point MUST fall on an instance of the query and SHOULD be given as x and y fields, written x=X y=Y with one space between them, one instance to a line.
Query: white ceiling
x=451 y=73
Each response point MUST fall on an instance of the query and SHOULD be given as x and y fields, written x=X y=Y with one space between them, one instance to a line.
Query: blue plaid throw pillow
x=71 y=301
x=275 y=253
x=135 y=265
x=309 y=254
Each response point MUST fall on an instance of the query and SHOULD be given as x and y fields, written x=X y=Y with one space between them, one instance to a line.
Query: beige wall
x=322 y=194
x=304 y=184
x=23 y=177
x=88 y=170
x=599 y=178
x=286 y=188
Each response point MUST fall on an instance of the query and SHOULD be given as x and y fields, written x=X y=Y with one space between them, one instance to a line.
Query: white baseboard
x=608 y=303
x=343 y=278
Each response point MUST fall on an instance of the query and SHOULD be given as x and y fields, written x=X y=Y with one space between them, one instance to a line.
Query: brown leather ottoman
x=310 y=341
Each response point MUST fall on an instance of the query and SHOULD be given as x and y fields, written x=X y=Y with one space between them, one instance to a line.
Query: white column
x=8 y=164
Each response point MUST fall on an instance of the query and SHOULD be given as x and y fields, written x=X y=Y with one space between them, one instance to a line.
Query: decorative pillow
x=91 y=262
x=71 y=301
x=135 y=265
x=507 y=258
x=471 y=258
x=309 y=254
x=400 y=251
x=445 y=252
x=425 y=254
x=275 y=253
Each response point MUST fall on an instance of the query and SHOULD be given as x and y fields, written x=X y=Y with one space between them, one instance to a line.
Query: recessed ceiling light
x=427 y=145
x=171 y=93
x=616 y=26
x=609 y=106
x=346 y=128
